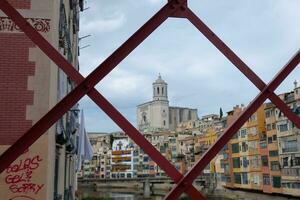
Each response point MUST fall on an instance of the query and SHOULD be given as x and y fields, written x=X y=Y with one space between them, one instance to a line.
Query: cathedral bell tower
x=160 y=89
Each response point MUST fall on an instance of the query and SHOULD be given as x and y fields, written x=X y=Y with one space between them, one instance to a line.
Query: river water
x=137 y=194
x=119 y=193
x=127 y=194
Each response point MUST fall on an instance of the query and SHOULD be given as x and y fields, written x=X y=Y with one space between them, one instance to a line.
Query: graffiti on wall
x=18 y=177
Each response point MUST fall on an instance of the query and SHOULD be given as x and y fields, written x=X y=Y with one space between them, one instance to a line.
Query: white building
x=122 y=158
x=158 y=115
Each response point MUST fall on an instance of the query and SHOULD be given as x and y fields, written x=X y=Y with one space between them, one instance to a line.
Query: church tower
x=160 y=89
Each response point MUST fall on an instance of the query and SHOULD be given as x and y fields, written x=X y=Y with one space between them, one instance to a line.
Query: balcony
x=288 y=150
x=263 y=144
x=121 y=152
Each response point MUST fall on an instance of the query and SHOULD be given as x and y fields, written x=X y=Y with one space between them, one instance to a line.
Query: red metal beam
x=232 y=129
x=227 y=52
x=176 y=8
x=86 y=86
x=240 y=65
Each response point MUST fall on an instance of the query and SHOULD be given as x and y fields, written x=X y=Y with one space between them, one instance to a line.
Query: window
x=236 y=162
x=273 y=153
x=264 y=161
x=269 y=113
x=275 y=166
x=266 y=179
x=294 y=185
x=157 y=90
x=146 y=159
x=135 y=153
x=255 y=161
x=276 y=181
x=270 y=140
x=245 y=162
x=256 y=179
x=253 y=145
x=174 y=148
x=263 y=144
x=222 y=164
x=244 y=147
x=253 y=117
x=290 y=146
x=243 y=133
x=253 y=130
x=282 y=127
x=269 y=127
x=237 y=178
x=245 y=178
x=274 y=137
x=235 y=148
x=291 y=172
x=296 y=161
x=285 y=161
x=164 y=122
x=151 y=167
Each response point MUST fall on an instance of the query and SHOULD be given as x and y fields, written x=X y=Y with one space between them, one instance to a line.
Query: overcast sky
x=264 y=33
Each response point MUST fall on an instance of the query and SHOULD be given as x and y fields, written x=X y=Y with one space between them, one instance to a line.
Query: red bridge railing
x=85 y=86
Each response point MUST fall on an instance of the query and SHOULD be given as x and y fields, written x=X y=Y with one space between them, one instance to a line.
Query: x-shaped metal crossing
x=174 y=8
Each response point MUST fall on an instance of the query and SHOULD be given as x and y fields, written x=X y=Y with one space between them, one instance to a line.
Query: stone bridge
x=148 y=184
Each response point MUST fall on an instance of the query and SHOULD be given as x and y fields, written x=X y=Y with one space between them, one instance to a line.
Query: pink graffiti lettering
x=26 y=188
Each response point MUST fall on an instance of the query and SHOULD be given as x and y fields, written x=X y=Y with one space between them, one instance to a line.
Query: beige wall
x=32 y=174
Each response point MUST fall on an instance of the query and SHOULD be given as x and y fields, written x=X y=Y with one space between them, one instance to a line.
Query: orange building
x=243 y=166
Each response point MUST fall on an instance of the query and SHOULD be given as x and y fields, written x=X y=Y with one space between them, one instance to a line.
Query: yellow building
x=270 y=159
x=244 y=156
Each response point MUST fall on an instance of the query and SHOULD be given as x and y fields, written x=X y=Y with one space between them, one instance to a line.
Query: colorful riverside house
x=255 y=131
x=208 y=139
x=268 y=147
x=243 y=162
x=228 y=160
x=122 y=159
x=288 y=137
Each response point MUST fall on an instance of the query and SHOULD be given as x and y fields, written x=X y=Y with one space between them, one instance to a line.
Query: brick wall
x=20 y=4
x=14 y=96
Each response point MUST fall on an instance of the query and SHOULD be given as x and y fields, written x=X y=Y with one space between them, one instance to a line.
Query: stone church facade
x=157 y=115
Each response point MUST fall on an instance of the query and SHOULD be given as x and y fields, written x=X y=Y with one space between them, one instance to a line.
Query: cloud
x=103 y=24
x=155 y=1
x=263 y=34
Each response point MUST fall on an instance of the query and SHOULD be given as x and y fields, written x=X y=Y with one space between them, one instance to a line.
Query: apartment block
x=288 y=136
x=271 y=168
x=243 y=160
